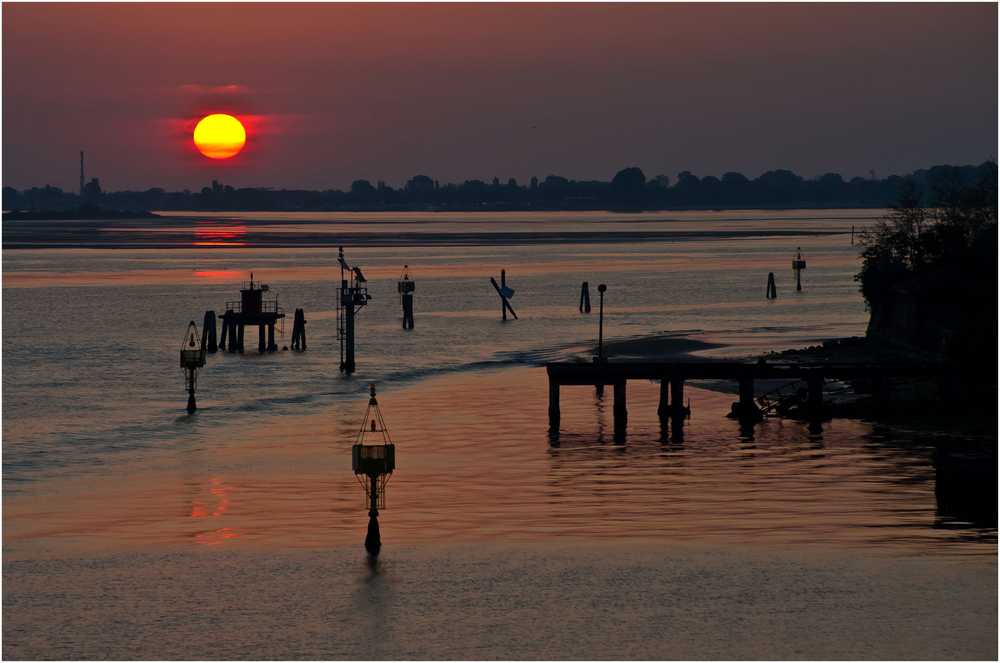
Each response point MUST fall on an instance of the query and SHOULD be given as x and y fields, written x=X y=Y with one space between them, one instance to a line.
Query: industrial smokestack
x=81 y=173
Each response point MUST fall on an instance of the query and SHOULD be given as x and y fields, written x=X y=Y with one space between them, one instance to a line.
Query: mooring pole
x=208 y=340
x=503 y=284
x=600 y=325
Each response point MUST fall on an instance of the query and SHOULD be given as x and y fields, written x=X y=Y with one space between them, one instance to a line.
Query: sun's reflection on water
x=222 y=232
x=214 y=503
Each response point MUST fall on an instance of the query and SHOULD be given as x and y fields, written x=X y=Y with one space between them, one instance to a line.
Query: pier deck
x=672 y=376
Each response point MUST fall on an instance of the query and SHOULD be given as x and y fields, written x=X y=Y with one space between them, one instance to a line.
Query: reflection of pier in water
x=672 y=375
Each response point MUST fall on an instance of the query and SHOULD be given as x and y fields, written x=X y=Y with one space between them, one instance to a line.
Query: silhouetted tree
x=956 y=232
x=779 y=186
x=628 y=186
x=891 y=250
x=420 y=183
x=362 y=187
x=737 y=188
x=688 y=188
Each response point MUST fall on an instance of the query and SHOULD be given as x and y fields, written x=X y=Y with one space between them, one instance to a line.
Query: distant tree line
x=629 y=190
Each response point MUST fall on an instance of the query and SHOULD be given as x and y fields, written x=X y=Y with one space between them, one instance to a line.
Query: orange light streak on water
x=208 y=233
x=222 y=274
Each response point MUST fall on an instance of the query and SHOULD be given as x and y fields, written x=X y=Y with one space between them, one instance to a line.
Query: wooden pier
x=672 y=376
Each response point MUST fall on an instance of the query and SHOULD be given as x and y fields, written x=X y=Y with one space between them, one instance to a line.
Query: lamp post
x=600 y=328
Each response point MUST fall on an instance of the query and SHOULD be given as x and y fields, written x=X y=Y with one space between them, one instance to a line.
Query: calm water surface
x=246 y=515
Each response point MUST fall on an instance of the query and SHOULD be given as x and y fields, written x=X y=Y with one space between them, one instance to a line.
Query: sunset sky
x=331 y=93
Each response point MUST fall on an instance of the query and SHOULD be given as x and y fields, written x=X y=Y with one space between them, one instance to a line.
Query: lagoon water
x=134 y=530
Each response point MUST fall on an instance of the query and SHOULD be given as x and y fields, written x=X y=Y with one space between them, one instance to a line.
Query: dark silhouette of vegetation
x=929 y=265
x=628 y=190
x=628 y=187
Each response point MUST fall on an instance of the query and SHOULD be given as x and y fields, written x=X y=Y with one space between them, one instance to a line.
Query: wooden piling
x=503 y=284
x=299 y=330
x=553 y=405
x=208 y=341
x=585 y=298
x=677 y=398
x=225 y=330
x=772 y=291
x=620 y=409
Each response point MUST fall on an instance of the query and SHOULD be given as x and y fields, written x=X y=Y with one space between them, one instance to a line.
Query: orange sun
x=219 y=136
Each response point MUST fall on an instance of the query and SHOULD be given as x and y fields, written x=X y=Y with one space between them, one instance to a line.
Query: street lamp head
x=601 y=288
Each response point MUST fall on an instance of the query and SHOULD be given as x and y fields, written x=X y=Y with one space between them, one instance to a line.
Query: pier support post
x=677 y=409
x=746 y=409
x=620 y=409
x=772 y=291
x=239 y=338
x=225 y=329
x=553 y=405
x=746 y=394
x=585 y=298
x=815 y=393
x=208 y=341
x=664 y=406
x=271 y=345
x=261 y=343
